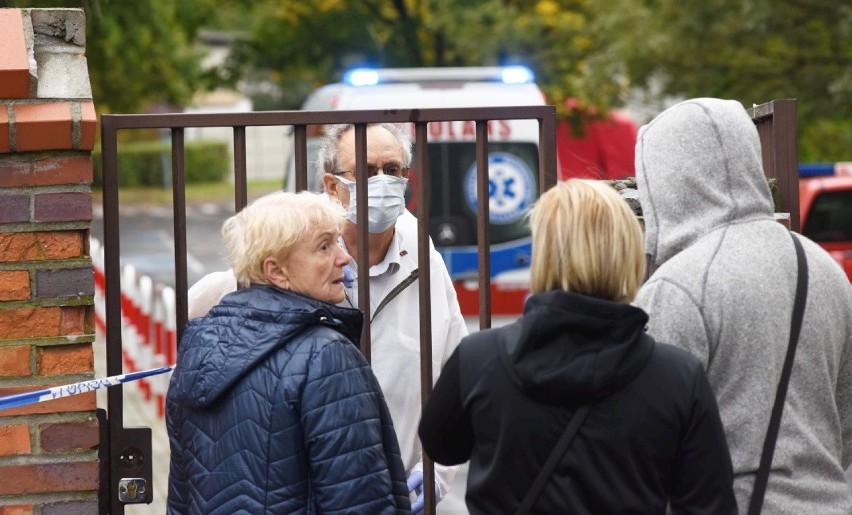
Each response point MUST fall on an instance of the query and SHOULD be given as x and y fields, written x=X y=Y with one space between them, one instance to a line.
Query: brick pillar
x=48 y=451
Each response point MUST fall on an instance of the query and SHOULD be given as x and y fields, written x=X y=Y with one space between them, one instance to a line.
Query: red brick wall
x=48 y=451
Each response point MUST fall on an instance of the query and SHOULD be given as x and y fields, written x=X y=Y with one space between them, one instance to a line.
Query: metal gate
x=126 y=452
x=778 y=130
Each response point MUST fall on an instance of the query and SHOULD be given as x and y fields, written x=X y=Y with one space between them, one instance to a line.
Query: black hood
x=574 y=348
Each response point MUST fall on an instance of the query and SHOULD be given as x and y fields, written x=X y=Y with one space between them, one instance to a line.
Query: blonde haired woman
x=272 y=408
x=629 y=425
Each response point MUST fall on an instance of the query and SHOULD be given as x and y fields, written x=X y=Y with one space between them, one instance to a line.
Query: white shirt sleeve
x=208 y=291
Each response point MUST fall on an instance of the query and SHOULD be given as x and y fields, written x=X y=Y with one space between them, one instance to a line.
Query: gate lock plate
x=131 y=467
x=132 y=490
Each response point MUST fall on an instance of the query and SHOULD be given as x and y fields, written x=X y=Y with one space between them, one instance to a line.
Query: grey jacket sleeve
x=844 y=392
x=675 y=318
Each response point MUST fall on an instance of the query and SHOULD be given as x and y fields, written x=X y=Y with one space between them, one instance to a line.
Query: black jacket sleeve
x=445 y=429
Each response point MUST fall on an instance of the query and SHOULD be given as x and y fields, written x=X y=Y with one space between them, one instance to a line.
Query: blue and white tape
x=58 y=392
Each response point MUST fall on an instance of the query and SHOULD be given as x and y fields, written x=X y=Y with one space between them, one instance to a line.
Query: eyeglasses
x=393 y=169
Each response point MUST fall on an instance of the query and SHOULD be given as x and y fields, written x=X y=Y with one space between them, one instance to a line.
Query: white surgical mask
x=385 y=201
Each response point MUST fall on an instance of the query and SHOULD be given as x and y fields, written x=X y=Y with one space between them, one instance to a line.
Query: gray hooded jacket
x=724 y=291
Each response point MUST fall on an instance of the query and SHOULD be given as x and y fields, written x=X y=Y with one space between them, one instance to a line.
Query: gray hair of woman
x=270 y=226
x=327 y=154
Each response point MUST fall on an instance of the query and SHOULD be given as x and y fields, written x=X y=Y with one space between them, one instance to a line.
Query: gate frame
x=120 y=442
x=775 y=120
x=777 y=127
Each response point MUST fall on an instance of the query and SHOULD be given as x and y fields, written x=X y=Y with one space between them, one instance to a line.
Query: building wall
x=268 y=149
x=49 y=450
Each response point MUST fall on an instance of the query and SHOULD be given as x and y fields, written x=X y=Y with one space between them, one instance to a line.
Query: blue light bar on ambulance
x=361 y=77
x=504 y=74
x=517 y=75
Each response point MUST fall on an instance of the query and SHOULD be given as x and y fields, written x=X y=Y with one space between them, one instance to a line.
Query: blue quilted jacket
x=272 y=409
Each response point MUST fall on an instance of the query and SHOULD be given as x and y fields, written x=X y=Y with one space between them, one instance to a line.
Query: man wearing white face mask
x=394 y=290
x=387 y=199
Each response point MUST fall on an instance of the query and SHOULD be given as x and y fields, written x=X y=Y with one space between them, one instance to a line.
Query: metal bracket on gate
x=131 y=465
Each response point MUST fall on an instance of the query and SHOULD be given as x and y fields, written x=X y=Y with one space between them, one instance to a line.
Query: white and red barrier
x=148 y=326
x=165 y=341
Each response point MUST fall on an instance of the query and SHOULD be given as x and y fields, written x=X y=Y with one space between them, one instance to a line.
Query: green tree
x=752 y=51
x=140 y=52
x=587 y=55
x=591 y=54
x=301 y=44
x=574 y=60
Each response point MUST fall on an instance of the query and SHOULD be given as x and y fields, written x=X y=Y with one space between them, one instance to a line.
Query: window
x=830 y=219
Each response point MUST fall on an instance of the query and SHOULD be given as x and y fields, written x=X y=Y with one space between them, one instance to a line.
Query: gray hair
x=270 y=227
x=327 y=154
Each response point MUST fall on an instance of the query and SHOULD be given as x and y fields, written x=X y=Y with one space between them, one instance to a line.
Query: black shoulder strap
x=396 y=291
x=552 y=460
x=762 y=478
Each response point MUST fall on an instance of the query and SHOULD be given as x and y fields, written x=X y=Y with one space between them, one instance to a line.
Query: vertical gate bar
x=547 y=151
x=179 y=199
x=112 y=274
x=786 y=157
x=112 y=266
x=240 y=179
x=482 y=211
x=301 y=157
x=777 y=129
x=547 y=177
x=363 y=234
x=425 y=299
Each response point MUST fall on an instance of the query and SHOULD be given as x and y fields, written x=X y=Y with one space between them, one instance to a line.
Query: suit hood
x=569 y=347
x=698 y=168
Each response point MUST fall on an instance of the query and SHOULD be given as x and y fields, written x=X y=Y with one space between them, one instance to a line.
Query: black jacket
x=653 y=435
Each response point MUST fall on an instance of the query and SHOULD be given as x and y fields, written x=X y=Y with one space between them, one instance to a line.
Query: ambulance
x=512 y=165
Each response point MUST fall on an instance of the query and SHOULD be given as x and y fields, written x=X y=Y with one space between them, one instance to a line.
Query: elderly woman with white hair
x=271 y=407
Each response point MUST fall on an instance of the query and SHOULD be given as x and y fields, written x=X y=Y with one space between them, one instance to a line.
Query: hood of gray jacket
x=698 y=167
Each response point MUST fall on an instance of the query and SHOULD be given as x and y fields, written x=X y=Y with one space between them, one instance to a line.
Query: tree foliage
x=301 y=44
x=140 y=52
x=588 y=55
x=751 y=51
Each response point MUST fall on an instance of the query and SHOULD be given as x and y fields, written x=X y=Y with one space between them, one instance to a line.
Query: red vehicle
x=825 y=208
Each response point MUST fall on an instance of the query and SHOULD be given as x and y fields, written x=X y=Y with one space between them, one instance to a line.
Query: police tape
x=58 y=392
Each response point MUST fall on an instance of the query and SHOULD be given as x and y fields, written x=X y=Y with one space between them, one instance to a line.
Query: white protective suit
x=395 y=332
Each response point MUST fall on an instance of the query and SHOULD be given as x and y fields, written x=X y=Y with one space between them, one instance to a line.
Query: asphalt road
x=146 y=239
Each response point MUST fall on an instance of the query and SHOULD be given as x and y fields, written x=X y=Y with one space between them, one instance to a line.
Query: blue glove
x=348 y=277
x=415 y=484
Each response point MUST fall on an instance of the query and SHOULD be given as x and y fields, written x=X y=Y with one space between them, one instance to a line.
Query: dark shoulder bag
x=552 y=460
x=762 y=478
